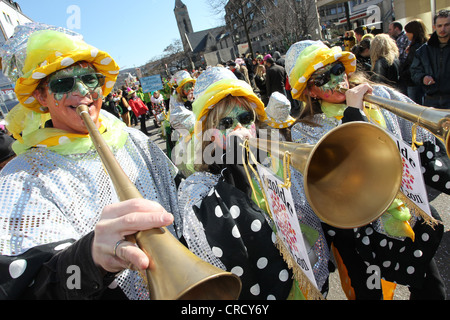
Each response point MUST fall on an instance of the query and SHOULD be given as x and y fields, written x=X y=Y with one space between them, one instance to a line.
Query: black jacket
x=432 y=60
x=405 y=68
x=386 y=74
x=275 y=79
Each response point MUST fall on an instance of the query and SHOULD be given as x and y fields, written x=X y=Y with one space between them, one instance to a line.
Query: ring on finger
x=117 y=245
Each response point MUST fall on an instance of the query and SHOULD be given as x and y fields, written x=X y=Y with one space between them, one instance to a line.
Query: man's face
x=442 y=27
x=393 y=32
x=62 y=105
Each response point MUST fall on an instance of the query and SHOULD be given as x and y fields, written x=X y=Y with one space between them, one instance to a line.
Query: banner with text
x=152 y=83
x=284 y=215
x=413 y=185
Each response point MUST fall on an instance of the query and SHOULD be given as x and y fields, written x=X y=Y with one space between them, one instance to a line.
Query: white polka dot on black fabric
x=262 y=263
x=217 y=252
x=218 y=212
x=255 y=290
x=284 y=275
x=366 y=241
x=17 y=268
x=256 y=225
x=235 y=232
x=235 y=212
x=62 y=246
x=237 y=271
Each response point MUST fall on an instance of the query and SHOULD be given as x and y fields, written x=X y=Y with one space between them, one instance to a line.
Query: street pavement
x=440 y=201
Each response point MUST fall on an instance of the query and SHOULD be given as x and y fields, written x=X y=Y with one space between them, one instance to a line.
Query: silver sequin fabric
x=46 y=197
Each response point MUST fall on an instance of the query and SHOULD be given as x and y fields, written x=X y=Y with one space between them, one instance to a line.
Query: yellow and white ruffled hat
x=37 y=50
x=305 y=57
x=215 y=84
x=181 y=78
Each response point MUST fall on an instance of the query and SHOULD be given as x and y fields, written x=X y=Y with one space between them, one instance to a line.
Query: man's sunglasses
x=244 y=118
x=65 y=85
x=323 y=78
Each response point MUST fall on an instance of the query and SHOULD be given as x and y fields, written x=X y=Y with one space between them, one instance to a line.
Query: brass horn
x=351 y=176
x=176 y=273
x=436 y=121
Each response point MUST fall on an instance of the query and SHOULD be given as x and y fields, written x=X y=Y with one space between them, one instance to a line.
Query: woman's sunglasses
x=65 y=85
x=244 y=118
x=323 y=78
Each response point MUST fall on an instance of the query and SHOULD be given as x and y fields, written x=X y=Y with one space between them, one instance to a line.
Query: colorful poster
x=413 y=186
x=284 y=215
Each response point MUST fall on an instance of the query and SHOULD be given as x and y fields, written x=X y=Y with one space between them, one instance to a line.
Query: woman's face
x=409 y=35
x=61 y=98
x=325 y=90
x=237 y=122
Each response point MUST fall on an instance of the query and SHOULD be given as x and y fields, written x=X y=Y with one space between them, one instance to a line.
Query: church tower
x=183 y=22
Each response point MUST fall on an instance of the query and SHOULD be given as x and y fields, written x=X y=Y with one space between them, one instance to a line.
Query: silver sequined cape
x=46 y=197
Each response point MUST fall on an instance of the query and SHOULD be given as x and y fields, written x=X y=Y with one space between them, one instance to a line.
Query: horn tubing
x=436 y=121
x=169 y=278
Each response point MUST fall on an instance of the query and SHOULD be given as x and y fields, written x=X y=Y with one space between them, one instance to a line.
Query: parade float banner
x=413 y=186
x=152 y=83
x=283 y=211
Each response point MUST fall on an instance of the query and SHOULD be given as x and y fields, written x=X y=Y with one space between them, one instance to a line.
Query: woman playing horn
x=223 y=223
x=316 y=73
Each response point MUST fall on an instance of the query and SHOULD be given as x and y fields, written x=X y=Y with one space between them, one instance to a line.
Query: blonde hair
x=382 y=45
x=260 y=70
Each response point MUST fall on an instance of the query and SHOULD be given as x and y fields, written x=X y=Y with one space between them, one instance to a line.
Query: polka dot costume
x=400 y=260
x=240 y=237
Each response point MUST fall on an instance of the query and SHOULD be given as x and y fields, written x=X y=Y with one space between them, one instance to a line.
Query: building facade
x=206 y=47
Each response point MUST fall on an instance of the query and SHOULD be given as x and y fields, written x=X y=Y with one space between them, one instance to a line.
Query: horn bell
x=175 y=273
x=351 y=176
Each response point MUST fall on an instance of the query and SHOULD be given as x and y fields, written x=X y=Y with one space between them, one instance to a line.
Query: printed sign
x=152 y=83
x=283 y=211
x=413 y=186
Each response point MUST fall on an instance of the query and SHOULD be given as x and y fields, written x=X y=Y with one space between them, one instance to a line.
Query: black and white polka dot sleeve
x=61 y=270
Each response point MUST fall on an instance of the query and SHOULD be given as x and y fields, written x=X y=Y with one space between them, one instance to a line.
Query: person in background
x=124 y=107
x=138 y=108
x=417 y=35
x=398 y=34
x=275 y=76
x=431 y=65
x=349 y=40
x=260 y=81
x=384 y=58
x=111 y=106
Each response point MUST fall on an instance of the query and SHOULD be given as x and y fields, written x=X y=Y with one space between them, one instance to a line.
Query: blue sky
x=132 y=32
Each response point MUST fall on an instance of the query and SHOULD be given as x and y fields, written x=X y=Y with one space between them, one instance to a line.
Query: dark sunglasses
x=323 y=78
x=244 y=118
x=65 y=85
